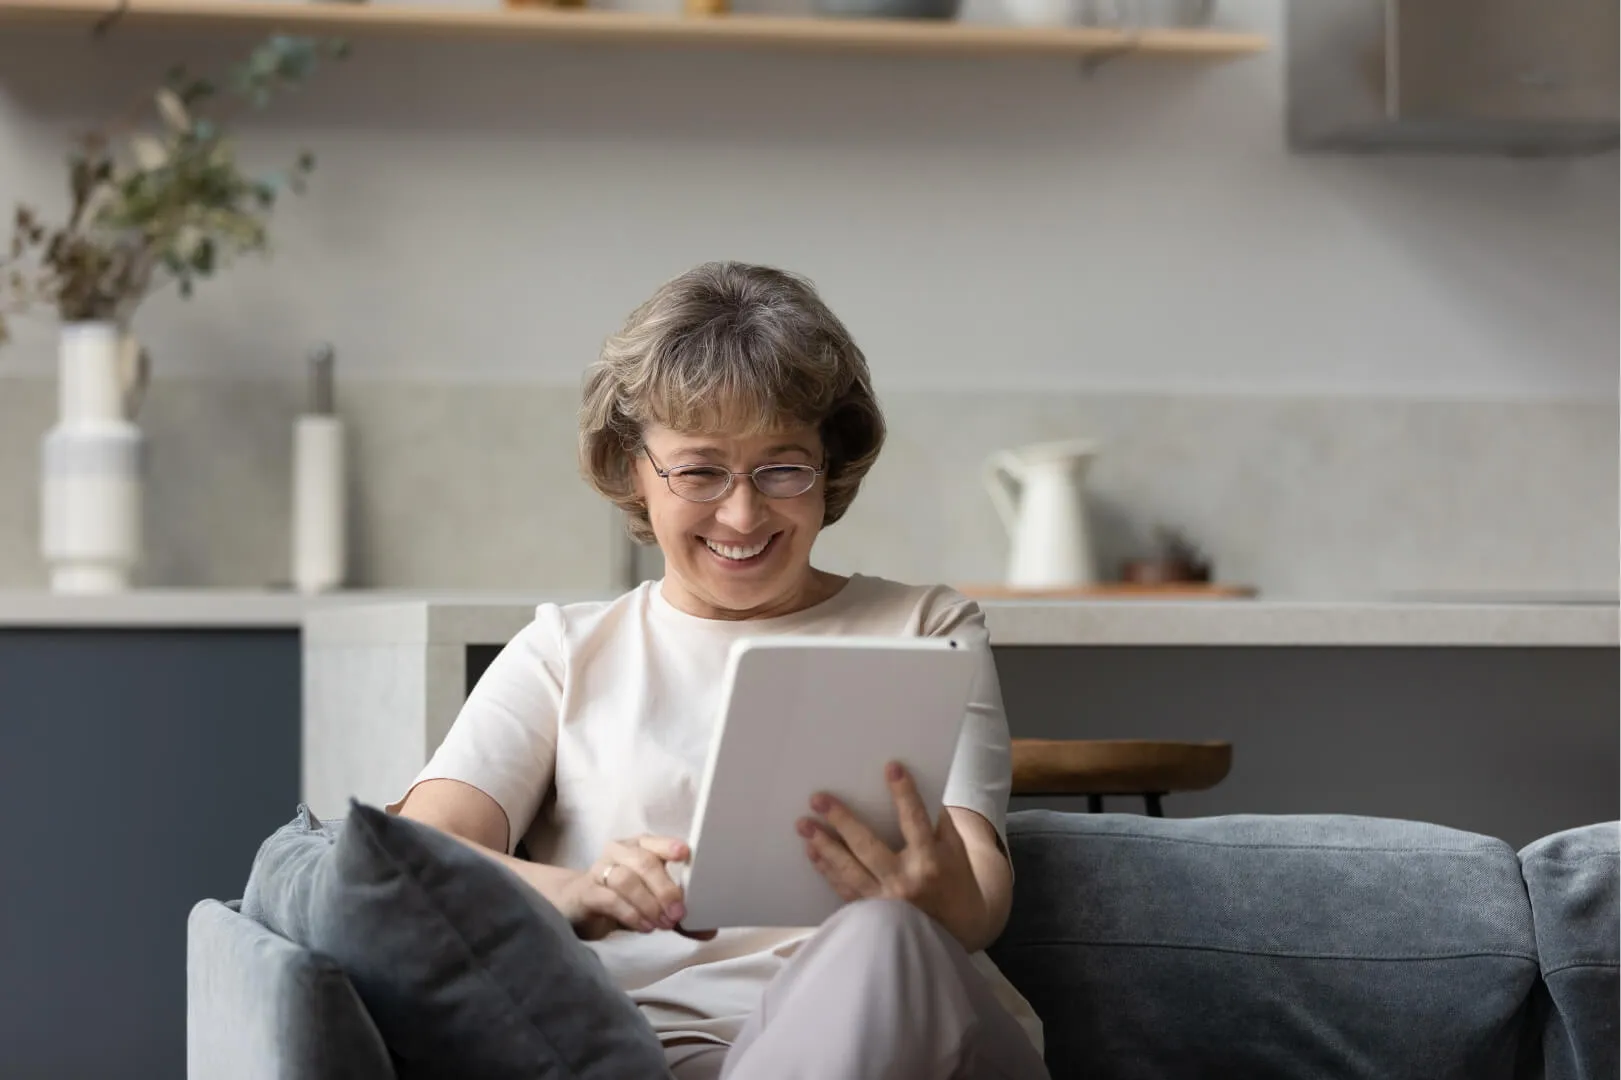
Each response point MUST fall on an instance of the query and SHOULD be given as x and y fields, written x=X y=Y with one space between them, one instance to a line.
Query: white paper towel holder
x=320 y=498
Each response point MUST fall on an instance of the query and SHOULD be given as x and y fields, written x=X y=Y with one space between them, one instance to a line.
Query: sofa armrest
x=259 y=1007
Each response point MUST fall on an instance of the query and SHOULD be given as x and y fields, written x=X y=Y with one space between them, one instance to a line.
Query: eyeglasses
x=706 y=483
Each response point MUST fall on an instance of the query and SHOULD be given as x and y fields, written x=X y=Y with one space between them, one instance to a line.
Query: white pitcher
x=1038 y=492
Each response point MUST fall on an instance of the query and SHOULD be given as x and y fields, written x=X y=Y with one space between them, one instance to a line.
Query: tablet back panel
x=808 y=714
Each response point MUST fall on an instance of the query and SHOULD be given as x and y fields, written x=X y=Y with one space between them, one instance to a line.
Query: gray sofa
x=1253 y=946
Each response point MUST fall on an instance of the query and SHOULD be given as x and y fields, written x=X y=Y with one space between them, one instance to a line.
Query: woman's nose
x=743 y=508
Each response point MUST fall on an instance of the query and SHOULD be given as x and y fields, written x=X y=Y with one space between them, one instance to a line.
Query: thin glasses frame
x=676 y=471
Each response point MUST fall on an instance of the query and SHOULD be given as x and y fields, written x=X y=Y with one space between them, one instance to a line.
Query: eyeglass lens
x=703 y=483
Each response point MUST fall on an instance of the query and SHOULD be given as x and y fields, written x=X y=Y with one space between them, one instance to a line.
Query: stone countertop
x=213 y=608
x=459 y=618
x=1066 y=622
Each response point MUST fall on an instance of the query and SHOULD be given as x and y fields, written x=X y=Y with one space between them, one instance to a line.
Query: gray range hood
x=1510 y=77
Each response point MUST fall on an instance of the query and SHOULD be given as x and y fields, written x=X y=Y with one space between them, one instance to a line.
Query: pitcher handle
x=1002 y=481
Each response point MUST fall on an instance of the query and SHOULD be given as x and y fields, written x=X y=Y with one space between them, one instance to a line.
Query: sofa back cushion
x=1572 y=878
x=1271 y=947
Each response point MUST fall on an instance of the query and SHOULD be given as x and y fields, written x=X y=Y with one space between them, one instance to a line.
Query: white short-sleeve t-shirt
x=593 y=724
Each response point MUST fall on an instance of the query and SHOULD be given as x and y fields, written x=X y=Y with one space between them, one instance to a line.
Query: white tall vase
x=92 y=464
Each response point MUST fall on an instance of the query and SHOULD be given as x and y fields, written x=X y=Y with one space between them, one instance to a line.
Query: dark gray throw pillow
x=465 y=970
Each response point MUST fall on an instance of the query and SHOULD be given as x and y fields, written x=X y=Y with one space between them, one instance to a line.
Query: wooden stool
x=1095 y=768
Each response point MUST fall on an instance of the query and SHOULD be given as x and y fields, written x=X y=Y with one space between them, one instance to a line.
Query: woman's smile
x=735 y=555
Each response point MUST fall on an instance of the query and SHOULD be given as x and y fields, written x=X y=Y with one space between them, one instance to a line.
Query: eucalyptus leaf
x=179 y=206
x=202 y=257
x=173 y=110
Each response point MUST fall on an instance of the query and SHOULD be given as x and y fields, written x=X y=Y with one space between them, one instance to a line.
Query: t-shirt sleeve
x=504 y=739
x=981 y=775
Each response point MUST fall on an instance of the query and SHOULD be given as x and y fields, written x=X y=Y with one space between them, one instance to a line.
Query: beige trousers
x=881 y=992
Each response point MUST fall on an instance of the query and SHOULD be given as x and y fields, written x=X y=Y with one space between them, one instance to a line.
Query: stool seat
x=1097 y=767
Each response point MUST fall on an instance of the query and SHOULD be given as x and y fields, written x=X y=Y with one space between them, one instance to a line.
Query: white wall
x=490 y=210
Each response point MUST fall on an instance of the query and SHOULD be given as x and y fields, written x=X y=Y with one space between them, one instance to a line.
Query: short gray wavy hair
x=729 y=348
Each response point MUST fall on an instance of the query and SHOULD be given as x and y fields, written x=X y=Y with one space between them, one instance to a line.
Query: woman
x=732 y=419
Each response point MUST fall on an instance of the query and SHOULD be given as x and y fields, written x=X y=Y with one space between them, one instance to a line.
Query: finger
x=838 y=864
x=623 y=880
x=655 y=879
x=830 y=875
x=606 y=901
x=658 y=881
x=861 y=841
x=668 y=848
x=915 y=826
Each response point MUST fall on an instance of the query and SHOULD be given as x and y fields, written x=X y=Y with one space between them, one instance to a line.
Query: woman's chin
x=745 y=592
x=744 y=585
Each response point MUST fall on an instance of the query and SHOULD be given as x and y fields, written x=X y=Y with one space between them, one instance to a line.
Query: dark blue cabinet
x=139 y=770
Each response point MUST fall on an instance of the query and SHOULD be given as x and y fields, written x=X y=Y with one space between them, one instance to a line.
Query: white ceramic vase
x=92 y=463
x=1042 y=12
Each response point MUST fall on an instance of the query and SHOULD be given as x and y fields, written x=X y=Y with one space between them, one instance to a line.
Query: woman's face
x=743 y=555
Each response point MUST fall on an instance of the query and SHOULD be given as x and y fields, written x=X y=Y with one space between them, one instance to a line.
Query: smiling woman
x=732 y=418
x=725 y=371
x=736 y=534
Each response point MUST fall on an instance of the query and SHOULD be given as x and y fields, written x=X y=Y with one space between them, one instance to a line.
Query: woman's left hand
x=931 y=871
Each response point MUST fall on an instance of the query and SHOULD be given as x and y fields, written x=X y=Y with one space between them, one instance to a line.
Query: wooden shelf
x=584 y=24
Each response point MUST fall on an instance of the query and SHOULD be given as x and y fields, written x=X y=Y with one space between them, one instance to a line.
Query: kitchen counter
x=211 y=608
x=156 y=608
x=1070 y=622
x=384 y=681
x=459 y=618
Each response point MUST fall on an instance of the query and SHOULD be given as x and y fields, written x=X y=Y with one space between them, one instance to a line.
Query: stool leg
x=1094 y=804
x=1151 y=800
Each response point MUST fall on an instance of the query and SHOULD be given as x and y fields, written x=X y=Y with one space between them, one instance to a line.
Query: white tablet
x=808 y=714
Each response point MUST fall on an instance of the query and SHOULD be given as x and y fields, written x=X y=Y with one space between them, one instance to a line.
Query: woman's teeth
x=735 y=553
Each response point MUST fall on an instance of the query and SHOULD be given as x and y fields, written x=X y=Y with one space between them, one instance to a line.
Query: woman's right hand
x=627 y=888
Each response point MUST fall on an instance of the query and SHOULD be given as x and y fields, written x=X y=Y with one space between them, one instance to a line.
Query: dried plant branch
x=153 y=207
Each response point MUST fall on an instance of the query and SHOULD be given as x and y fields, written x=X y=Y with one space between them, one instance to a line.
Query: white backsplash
x=475 y=486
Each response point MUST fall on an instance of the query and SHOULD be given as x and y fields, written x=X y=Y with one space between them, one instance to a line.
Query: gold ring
x=602 y=878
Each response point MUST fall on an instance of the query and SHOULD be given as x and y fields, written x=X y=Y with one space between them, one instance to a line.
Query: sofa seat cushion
x=465 y=970
x=1573 y=878
x=1270 y=947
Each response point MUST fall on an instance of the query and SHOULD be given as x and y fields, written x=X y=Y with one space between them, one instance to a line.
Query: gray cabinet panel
x=139 y=770
x=1510 y=742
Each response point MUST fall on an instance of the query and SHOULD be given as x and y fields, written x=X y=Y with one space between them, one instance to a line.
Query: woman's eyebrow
x=715 y=452
x=696 y=451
